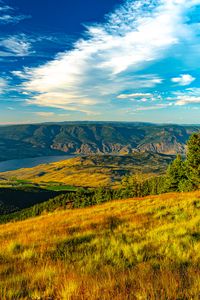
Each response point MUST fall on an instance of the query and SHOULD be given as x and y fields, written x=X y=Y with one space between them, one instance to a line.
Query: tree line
x=181 y=176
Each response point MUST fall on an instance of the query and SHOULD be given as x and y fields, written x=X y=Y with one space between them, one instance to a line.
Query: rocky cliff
x=22 y=141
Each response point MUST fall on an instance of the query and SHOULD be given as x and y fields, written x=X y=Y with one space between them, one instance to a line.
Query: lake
x=14 y=164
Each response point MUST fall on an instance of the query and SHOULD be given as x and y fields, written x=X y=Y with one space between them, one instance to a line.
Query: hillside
x=13 y=199
x=145 y=248
x=94 y=170
x=21 y=141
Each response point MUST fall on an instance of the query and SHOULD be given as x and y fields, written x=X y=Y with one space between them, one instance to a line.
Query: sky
x=104 y=60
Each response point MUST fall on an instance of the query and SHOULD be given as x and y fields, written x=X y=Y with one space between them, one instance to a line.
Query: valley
x=103 y=224
x=93 y=170
x=100 y=150
x=86 y=138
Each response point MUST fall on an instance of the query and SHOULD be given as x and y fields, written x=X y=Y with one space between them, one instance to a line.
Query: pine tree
x=193 y=159
x=176 y=174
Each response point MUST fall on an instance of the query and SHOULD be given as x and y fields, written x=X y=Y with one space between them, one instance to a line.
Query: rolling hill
x=146 y=248
x=93 y=170
x=22 y=141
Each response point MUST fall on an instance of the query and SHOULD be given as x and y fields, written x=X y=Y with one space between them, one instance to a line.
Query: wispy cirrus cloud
x=105 y=62
x=8 y=15
x=189 y=96
x=15 y=45
x=153 y=107
x=21 y=45
x=135 y=95
x=6 y=19
x=5 y=8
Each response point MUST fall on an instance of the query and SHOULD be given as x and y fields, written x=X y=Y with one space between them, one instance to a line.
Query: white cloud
x=186 y=99
x=185 y=79
x=135 y=95
x=189 y=96
x=16 y=45
x=5 y=8
x=24 y=44
x=59 y=100
x=104 y=63
x=6 y=19
x=144 y=100
x=154 y=107
x=7 y=15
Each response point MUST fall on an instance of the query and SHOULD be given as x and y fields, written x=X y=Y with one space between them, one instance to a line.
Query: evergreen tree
x=193 y=160
x=176 y=174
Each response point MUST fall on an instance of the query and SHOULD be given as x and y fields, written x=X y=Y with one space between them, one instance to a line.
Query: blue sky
x=100 y=60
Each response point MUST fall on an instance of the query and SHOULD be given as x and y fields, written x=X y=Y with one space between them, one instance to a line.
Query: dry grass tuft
x=129 y=249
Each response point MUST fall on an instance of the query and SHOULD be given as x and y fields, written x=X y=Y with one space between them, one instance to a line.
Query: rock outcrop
x=23 y=141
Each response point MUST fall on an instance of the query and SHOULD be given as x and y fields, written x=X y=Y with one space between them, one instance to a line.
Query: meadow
x=139 y=248
x=90 y=171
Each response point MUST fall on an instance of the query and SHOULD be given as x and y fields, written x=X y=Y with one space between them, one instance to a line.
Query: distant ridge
x=89 y=137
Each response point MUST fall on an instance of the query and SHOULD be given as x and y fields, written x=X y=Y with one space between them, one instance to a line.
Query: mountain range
x=85 y=138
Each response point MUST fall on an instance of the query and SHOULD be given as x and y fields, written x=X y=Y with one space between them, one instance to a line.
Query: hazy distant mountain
x=21 y=141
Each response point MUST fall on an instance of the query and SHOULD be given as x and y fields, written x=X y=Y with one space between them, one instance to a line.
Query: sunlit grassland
x=70 y=172
x=51 y=186
x=91 y=171
x=147 y=248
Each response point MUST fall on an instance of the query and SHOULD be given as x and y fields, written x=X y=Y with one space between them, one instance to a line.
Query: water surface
x=14 y=164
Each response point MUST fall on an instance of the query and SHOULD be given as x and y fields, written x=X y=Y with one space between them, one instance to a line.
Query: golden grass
x=85 y=172
x=70 y=172
x=147 y=248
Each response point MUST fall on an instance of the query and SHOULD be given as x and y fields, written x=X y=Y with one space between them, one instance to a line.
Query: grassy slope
x=68 y=171
x=16 y=199
x=129 y=249
x=93 y=171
